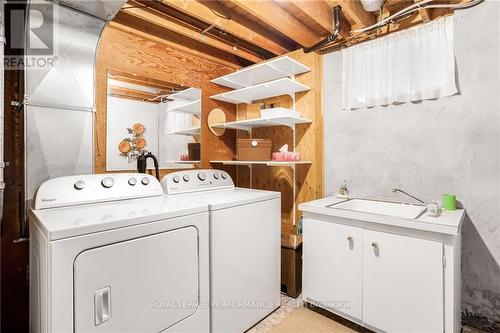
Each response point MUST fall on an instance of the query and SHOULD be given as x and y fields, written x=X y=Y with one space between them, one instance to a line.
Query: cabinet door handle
x=349 y=238
x=102 y=305
x=375 y=245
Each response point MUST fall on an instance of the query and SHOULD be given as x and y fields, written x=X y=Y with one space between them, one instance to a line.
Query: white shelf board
x=247 y=125
x=262 y=72
x=192 y=107
x=184 y=162
x=275 y=88
x=191 y=94
x=268 y=163
x=195 y=131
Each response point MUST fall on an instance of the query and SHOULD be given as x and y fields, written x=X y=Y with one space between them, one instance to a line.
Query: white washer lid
x=64 y=222
x=226 y=198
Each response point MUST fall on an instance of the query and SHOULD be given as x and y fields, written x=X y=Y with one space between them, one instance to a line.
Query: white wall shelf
x=263 y=72
x=184 y=162
x=285 y=86
x=191 y=94
x=247 y=125
x=195 y=131
x=192 y=107
x=268 y=163
x=272 y=78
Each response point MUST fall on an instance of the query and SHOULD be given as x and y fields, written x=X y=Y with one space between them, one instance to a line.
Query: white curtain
x=410 y=65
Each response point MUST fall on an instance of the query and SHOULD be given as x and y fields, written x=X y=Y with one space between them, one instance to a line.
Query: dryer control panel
x=195 y=181
x=85 y=189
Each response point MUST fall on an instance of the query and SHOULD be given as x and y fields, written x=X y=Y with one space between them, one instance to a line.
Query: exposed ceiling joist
x=276 y=17
x=236 y=25
x=318 y=11
x=160 y=20
x=424 y=13
x=172 y=40
x=132 y=93
x=241 y=32
x=143 y=81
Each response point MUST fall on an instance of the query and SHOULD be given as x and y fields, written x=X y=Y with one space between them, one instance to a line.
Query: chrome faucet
x=394 y=190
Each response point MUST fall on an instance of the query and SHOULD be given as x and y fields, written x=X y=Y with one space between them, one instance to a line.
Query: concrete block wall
x=432 y=147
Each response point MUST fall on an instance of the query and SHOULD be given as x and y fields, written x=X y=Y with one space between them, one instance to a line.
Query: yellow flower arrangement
x=124 y=147
x=133 y=146
x=140 y=143
x=138 y=129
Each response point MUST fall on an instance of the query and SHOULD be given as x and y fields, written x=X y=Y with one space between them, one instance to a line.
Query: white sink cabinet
x=387 y=273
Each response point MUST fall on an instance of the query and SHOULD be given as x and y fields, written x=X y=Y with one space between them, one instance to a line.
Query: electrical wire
x=369 y=32
x=413 y=8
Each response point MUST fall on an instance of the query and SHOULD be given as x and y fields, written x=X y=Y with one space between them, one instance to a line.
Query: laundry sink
x=387 y=208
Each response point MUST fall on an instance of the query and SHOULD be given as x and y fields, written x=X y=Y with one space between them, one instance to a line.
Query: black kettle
x=142 y=163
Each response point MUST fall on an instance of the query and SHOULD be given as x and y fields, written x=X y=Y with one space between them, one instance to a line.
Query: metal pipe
x=387 y=20
x=415 y=7
x=457 y=6
x=368 y=31
x=331 y=38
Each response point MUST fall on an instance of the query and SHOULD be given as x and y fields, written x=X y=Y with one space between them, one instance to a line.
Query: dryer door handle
x=102 y=305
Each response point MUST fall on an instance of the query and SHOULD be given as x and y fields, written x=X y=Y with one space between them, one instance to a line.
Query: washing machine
x=245 y=236
x=111 y=253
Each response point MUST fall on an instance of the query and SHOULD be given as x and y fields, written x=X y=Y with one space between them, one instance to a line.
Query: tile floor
x=292 y=317
x=288 y=305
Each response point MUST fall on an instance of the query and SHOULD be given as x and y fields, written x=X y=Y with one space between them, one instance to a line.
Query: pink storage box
x=286 y=156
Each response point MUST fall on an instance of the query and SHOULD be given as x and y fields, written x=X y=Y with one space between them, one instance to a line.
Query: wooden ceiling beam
x=276 y=17
x=315 y=10
x=145 y=84
x=158 y=19
x=354 y=12
x=236 y=25
x=143 y=81
x=424 y=13
x=122 y=91
x=172 y=40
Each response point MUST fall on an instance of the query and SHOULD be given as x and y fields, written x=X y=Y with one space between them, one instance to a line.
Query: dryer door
x=141 y=285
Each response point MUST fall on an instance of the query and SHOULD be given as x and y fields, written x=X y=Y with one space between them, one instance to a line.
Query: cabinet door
x=402 y=283
x=332 y=267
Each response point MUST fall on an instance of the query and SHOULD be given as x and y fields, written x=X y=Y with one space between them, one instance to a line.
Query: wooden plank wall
x=124 y=51
x=121 y=50
x=309 y=141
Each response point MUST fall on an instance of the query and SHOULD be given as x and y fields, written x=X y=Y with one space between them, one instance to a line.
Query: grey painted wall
x=432 y=147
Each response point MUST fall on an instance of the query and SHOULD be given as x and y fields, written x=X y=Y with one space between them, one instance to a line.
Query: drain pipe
x=332 y=37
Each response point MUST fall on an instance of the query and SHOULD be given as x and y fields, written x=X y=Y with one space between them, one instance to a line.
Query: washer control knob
x=107 y=182
x=145 y=181
x=224 y=176
x=202 y=176
x=79 y=185
x=176 y=179
x=216 y=176
x=132 y=181
x=185 y=178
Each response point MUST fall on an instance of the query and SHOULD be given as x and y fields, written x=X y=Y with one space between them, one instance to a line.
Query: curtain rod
x=402 y=14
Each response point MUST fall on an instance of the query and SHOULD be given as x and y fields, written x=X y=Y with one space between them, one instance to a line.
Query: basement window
x=411 y=65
